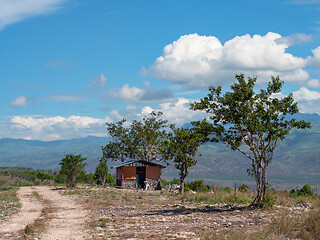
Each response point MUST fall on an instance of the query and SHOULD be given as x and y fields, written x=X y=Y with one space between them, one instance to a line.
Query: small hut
x=139 y=174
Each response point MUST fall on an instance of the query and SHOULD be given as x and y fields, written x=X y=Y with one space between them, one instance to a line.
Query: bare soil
x=30 y=210
x=97 y=213
x=67 y=220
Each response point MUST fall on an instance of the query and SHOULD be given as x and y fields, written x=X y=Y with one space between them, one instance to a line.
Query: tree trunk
x=261 y=180
x=181 y=190
x=103 y=181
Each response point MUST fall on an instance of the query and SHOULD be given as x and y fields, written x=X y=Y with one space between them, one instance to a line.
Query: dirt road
x=30 y=210
x=67 y=221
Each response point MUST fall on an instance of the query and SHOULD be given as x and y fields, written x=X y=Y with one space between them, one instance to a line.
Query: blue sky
x=69 y=66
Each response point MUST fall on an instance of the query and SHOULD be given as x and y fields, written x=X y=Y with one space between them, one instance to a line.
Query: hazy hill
x=295 y=162
x=47 y=155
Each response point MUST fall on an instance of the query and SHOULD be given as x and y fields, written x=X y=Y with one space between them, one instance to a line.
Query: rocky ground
x=96 y=213
x=124 y=214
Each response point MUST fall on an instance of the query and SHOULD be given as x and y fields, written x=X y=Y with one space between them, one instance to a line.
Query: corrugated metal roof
x=132 y=161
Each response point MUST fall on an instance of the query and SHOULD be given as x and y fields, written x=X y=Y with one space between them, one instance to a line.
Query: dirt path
x=30 y=210
x=69 y=218
x=67 y=221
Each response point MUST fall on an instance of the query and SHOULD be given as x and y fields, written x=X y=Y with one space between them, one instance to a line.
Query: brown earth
x=96 y=213
x=67 y=220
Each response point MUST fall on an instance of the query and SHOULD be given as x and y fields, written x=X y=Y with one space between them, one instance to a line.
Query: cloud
x=97 y=82
x=13 y=11
x=315 y=59
x=308 y=101
x=296 y=38
x=22 y=101
x=304 y=94
x=200 y=61
x=313 y=83
x=139 y=95
x=54 y=128
x=177 y=112
x=66 y=98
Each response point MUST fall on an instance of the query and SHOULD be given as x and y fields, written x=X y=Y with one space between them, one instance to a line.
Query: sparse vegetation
x=9 y=202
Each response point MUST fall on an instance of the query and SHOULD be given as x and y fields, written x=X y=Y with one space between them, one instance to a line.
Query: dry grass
x=288 y=224
x=9 y=202
x=217 y=197
x=122 y=214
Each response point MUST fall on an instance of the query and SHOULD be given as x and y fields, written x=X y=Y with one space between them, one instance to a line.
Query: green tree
x=182 y=148
x=72 y=166
x=257 y=120
x=43 y=176
x=101 y=173
x=141 y=140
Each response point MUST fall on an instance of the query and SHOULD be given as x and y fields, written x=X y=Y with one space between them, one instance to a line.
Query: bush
x=306 y=190
x=243 y=188
x=227 y=189
x=197 y=186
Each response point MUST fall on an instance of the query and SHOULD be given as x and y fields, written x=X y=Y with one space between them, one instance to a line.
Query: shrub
x=227 y=189
x=197 y=186
x=243 y=188
x=306 y=190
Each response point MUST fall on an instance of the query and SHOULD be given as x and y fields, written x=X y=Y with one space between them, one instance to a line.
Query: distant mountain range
x=295 y=162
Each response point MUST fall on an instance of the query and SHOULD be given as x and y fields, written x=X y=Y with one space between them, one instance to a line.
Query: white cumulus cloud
x=306 y=94
x=308 y=101
x=135 y=94
x=315 y=59
x=296 y=38
x=177 y=112
x=12 y=11
x=313 y=83
x=54 y=128
x=200 y=61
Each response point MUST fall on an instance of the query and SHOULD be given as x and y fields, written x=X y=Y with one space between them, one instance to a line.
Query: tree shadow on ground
x=186 y=211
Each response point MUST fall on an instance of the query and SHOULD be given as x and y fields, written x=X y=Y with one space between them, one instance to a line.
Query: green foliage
x=227 y=189
x=142 y=140
x=60 y=178
x=90 y=178
x=197 y=186
x=256 y=120
x=243 y=188
x=43 y=176
x=101 y=174
x=306 y=190
x=18 y=176
x=72 y=166
x=182 y=147
x=268 y=201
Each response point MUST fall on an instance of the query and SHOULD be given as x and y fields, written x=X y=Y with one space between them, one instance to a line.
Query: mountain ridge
x=296 y=160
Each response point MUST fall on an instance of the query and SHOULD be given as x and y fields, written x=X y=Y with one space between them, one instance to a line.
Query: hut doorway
x=141 y=176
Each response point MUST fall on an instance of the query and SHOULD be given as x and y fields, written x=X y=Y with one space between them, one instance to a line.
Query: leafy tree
x=72 y=166
x=142 y=140
x=182 y=148
x=43 y=176
x=101 y=173
x=257 y=120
